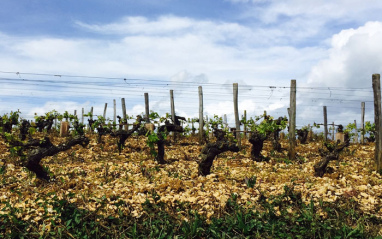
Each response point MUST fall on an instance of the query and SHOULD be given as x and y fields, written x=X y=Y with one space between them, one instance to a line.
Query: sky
x=69 y=55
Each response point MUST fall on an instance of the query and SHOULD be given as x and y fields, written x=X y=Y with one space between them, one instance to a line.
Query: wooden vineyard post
x=356 y=132
x=172 y=105
x=104 y=111
x=363 y=122
x=91 y=118
x=192 y=126
x=236 y=112
x=64 y=129
x=225 y=122
x=201 y=140
x=333 y=131
x=245 y=125
x=310 y=133
x=75 y=114
x=208 y=128
x=124 y=115
x=340 y=136
x=325 y=124
x=172 y=110
x=377 y=121
x=82 y=115
x=147 y=108
x=292 y=121
x=115 y=113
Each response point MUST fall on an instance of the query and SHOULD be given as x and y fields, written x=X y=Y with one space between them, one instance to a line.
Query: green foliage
x=284 y=160
x=267 y=125
x=316 y=125
x=350 y=129
x=66 y=116
x=13 y=117
x=152 y=139
x=156 y=118
x=216 y=121
x=89 y=114
x=8 y=120
x=306 y=127
x=31 y=130
x=281 y=216
x=251 y=181
x=186 y=130
x=78 y=128
x=189 y=127
x=370 y=129
x=42 y=121
x=52 y=114
x=15 y=148
x=154 y=115
x=100 y=121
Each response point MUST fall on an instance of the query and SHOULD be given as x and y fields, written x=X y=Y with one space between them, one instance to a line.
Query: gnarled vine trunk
x=161 y=142
x=43 y=123
x=102 y=131
x=276 y=134
x=257 y=140
x=24 y=128
x=276 y=141
x=210 y=151
x=44 y=148
x=123 y=134
x=333 y=153
x=303 y=135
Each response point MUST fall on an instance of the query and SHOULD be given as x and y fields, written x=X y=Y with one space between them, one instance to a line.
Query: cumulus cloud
x=178 y=50
x=353 y=58
x=293 y=22
x=60 y=107
x=140 y=47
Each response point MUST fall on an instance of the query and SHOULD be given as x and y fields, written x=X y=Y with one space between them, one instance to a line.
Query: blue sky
x=330 y=47
x=31 y=17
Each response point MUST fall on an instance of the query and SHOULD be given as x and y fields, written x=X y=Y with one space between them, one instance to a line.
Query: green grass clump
x=282 y=216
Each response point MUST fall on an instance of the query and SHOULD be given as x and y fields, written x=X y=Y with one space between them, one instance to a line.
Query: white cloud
x=179 y=49
x=60 y=107
x=138 y=109
x=170 y=25
x=298 y=22
x=223 y=33
x=353 y=58
x=277 y=105
x=142 y=25
x=141 y=48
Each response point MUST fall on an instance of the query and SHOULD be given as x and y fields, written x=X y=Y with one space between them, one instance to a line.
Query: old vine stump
x=257 y=140
x=211 y=150
x=43 y=148
x=332 y=153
